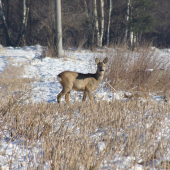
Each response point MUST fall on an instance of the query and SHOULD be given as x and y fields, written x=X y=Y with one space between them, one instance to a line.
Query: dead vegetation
x=85 y=135
x=11 y=79
x=142 y=70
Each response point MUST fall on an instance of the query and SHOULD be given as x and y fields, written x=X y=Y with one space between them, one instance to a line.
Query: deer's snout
x=101 y=69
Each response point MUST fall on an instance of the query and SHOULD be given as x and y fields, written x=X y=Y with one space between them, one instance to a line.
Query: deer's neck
x=99 y=76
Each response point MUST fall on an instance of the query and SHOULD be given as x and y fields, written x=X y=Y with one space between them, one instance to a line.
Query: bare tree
x=58 y=28
x=90 y=21
x=131 y=31
x=22 y=28
x=127 y=20
x=108 y=26
x=101 y=33
x=102 y=22
x=24 y=23
x=8 y=39
x=96 y=22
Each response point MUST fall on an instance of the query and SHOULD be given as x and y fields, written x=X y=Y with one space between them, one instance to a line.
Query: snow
x=46 y=87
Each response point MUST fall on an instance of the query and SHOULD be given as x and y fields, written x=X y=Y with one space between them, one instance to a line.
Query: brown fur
x=81 y=82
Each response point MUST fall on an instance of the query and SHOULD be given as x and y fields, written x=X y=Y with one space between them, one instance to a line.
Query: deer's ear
x=97 y=60
x=105 y=60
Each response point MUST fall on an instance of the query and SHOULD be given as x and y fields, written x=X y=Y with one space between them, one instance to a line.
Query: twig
x=111 y=86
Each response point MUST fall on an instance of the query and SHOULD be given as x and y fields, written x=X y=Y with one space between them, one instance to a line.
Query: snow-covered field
x=47 y=69
x=46 y=88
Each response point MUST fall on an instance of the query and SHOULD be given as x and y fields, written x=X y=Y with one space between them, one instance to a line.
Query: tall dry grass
x=140 y=70
x=86 y=136
x=103 y=135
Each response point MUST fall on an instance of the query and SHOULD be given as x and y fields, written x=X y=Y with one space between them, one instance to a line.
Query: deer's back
x=78 y=81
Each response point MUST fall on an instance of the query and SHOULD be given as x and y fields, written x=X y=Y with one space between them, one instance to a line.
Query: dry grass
x=11 y=80
x=70 y=137
x=140 y=70
x=51 y=52
x=83 y=135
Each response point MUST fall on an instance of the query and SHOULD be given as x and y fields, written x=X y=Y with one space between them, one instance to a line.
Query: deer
x=86 y=83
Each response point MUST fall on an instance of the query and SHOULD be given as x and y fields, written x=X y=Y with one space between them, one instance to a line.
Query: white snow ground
x=46 y=88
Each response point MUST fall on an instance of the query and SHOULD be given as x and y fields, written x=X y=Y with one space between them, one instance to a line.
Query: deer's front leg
x=84 y=96
x=90 y=94
x=89 y=91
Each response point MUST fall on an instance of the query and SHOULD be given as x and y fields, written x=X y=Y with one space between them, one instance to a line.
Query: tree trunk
x=108 y=27
x=23 y=27
x=24 y=24
x=102 y=22
x=131 y=32
x=58 y=28
x=96 y=23
x=8 y=39
x=131 y=38
x=127 y=22
x=86 y=9
x=90 y=27
x=24 y=21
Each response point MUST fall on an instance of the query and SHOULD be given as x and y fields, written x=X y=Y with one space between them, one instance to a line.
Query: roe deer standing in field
x=81 y=82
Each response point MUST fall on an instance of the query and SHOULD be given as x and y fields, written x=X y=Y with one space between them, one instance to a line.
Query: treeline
x=85 y=23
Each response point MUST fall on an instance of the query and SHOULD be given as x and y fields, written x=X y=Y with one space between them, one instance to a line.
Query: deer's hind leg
x=67 y=96
x=65 y=91
x=62 y=93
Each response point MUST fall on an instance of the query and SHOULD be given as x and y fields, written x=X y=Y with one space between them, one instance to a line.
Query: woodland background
x=85 y=23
